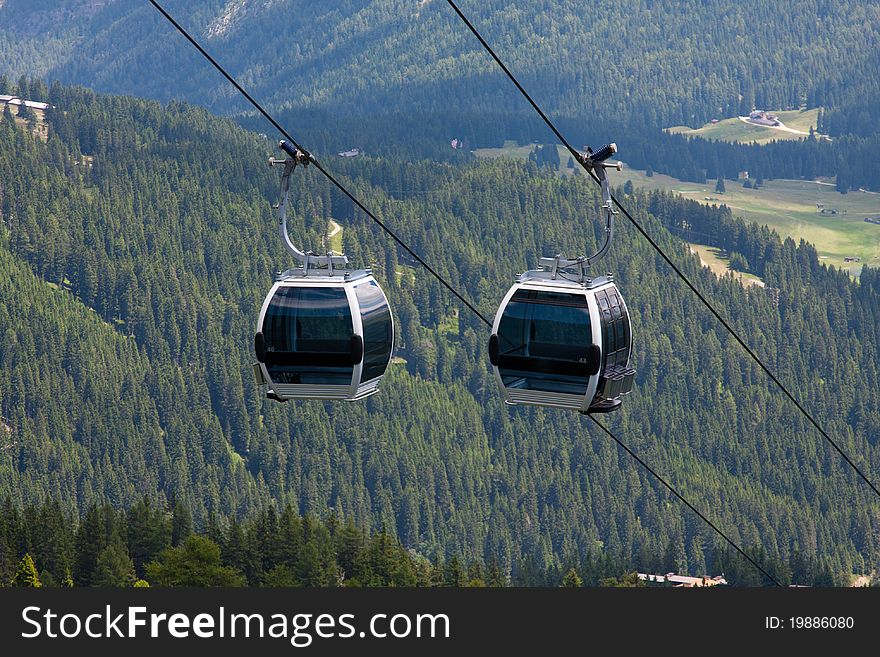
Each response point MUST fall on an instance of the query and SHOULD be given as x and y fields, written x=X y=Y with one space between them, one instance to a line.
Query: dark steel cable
x=578 y=157
x=680 y=497
x=318 y=165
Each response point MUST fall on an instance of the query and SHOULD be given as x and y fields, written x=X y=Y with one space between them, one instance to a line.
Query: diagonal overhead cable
x=647 y=467
x=579 y=157
x=317 y=164
x=470 y=306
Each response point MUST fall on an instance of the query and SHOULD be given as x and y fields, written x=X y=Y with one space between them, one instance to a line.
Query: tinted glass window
x=543 y=339
x=308 y=336
x=378 y=331
x=616 y=336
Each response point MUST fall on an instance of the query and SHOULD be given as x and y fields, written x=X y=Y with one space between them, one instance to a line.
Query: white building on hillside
x=15 y=100
x=683 y=581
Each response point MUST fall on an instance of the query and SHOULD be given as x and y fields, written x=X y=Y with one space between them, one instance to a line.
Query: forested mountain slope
x=404 y=77
x=158 y=219
x=646 y=62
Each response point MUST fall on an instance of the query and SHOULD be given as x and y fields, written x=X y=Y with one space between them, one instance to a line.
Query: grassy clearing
x=449 y=325
x=41 y=128
x=737 y=131
x=510 y=149
x=801 y=120
x=334 y=236
x=406 y=275
x=716 y=260
x=789 y=207
x=516 y=152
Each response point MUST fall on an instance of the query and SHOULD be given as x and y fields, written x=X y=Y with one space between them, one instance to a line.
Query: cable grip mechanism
x=307 y=260
x=595 y=161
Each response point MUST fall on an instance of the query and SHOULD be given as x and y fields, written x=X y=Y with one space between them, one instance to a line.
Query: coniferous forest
x=112 y=548
x=402 y=78
x=137 y=244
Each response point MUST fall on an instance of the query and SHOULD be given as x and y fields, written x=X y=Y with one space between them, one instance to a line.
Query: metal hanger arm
x=305 y=259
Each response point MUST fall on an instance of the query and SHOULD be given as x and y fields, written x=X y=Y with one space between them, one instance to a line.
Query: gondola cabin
x=323 y=337
x=563 y=344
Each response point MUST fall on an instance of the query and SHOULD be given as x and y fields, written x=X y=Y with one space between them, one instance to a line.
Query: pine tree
x=454 y=574
x=181 y=524
x=627 y=580
x=114 y=567
x=572 y=579
x=26 y=574
x=476 y=578
x=149 y=532
x=496 y=578
x=7 y=562
x=22 y=89
x=195 y=563
x=91 y=539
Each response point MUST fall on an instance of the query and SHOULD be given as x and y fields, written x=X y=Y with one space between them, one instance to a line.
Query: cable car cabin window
x=543 y=340
x=376 y=319
x=616 y=336
x=308 y=336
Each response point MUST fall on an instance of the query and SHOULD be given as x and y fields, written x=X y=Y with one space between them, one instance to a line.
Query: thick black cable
x=579 y=158
x=317 y=164
x=680 y=497
x=428 y=267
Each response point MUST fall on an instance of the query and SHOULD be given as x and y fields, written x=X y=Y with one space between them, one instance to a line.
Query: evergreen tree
x=738 y=262
x=92 y=536
x=23 y=87
x=572 y=579
x=282 y=576
x=26 y=574
x=149 y=532
x=627 y=580
x=195 y=563
x=476 y=578
x=453 y=573
x=496 y=578
x=7 y=564
x=843 y=183
x=181 y=524
x=114 y=567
